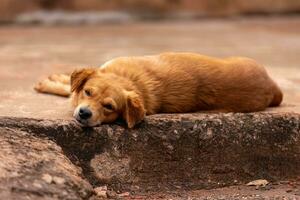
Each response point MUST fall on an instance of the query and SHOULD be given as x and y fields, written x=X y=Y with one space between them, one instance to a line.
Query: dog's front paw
x=43 y=85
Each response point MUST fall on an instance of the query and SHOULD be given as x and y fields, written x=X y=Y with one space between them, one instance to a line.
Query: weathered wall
x=11 y=8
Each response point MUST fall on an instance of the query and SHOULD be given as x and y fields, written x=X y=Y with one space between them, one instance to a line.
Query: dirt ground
x=280 y=192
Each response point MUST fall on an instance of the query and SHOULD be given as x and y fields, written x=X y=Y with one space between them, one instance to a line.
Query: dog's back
x=186 y=82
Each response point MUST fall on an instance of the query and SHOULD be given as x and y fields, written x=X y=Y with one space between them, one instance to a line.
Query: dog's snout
x=85 y=113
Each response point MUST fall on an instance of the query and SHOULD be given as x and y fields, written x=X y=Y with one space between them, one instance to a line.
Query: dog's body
x=178 y=83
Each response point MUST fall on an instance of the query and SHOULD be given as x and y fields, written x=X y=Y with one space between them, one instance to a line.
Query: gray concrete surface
x=30 y=53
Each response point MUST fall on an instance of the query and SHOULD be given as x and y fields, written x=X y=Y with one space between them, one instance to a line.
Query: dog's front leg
x=57 y=84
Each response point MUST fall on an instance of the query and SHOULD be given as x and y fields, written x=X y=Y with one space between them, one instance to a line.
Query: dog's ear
x=134 y=111
x=79 y=77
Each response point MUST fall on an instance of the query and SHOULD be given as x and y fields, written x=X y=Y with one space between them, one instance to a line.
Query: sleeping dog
x=132 y=87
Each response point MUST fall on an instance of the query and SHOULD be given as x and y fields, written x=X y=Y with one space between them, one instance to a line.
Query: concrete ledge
x=190 y=151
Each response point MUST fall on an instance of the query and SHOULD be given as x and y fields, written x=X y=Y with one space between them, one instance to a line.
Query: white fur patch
x=106 y=64
x=75 y=113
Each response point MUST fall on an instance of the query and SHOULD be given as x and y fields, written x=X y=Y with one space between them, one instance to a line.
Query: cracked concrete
x=185 y=152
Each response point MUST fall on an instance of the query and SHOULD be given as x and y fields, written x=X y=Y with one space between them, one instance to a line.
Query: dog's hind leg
x=53 y=87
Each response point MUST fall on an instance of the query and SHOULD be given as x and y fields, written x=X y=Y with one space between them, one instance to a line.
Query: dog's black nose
x=85 y=113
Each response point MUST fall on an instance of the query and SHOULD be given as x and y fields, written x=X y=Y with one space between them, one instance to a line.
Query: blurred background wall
x=10 y=10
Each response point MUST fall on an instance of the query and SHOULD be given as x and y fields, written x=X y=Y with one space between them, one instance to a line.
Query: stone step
x=171 y=152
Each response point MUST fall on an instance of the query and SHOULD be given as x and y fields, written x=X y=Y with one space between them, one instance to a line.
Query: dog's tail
x=278 y=96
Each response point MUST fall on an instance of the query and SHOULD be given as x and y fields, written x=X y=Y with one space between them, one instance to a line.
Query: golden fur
x=131 y=87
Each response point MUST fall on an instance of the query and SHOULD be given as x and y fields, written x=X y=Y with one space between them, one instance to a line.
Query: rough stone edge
x=59 y=129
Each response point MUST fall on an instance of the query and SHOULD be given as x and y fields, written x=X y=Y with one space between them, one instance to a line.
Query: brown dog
x=131 y=87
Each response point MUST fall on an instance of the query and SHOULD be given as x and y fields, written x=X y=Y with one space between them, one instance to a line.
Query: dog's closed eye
x=108 y=107
x=88 y=92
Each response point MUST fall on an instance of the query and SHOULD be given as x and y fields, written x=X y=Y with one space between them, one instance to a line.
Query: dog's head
x=100 y=97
